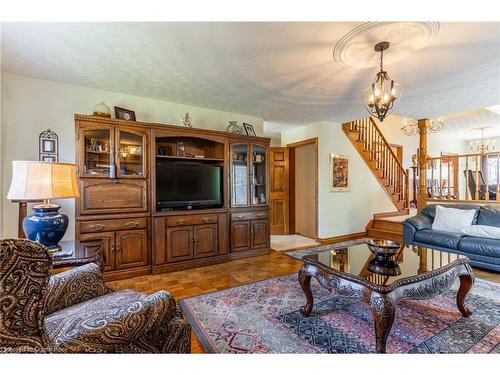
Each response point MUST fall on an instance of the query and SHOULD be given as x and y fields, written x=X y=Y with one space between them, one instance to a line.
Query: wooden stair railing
x=371 y=144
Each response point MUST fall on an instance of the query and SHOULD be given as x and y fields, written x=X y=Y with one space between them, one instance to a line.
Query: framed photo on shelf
x=340 y=173
x=49 y=158
x=124 y=114
x=249 y=130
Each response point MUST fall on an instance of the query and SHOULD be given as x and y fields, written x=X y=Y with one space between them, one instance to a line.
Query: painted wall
x=32 y=105
x=341 y=213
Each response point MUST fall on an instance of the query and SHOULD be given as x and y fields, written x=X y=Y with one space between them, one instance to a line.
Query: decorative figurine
x=414 y=159
x=233 y=128
x=186 y=120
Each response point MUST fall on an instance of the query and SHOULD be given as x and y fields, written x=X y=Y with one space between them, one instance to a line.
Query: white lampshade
x=33 y=180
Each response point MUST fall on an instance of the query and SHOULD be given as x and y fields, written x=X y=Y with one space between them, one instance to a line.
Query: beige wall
x=341 y=213
x=32 y=105
x=305 y=190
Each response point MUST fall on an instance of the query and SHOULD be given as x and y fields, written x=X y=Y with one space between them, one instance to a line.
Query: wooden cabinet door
x=279 y=189
x=240 y=236
x=131 y=152
x=100 y=196
x=108 y=243
x=205 y=240
x=131 y=248
x=95 y=151
x=179 y=243
x=260 y=234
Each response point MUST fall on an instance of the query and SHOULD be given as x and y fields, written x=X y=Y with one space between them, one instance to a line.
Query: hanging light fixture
x=380 y=97
x=410 y=127
x=482 y=147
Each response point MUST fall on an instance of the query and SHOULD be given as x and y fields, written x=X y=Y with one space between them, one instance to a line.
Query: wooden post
x=423 y=125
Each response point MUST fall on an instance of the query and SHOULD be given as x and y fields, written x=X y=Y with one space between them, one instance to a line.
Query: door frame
x=292 y=147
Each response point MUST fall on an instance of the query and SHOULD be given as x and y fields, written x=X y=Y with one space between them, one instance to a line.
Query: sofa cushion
x=489 y=215
x=430 y=210
x=439 y=238
x=483 y=231
x=481 y=246
x=449 y=219
x=104 y=323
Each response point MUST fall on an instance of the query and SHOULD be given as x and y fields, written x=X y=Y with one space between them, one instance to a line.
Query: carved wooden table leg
x=305 y=283
x=383 y=311
x=466 y=282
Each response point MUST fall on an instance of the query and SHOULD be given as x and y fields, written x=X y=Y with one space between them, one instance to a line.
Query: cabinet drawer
x=112 y=225
x=249 y=215
x=181 y=220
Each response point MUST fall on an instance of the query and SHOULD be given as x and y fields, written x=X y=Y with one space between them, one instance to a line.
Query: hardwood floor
x=200 y=280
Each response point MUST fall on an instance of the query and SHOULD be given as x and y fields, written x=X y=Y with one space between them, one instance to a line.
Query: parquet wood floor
x=200 y=280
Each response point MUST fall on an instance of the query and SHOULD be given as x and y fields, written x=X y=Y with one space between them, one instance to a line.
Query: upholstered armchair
x=75 y=312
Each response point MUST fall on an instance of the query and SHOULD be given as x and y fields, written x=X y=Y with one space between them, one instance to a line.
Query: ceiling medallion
x=410 y=127
x=405 y=37
x=380 y=97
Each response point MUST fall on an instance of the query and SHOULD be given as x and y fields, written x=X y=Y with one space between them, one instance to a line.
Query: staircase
x=378 y=155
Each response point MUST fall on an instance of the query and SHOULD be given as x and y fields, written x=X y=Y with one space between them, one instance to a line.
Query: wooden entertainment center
x=117 y=172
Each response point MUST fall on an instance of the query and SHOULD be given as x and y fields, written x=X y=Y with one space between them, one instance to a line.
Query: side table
x=76 y=253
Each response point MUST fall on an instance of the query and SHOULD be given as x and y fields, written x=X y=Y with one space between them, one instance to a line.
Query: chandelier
x=410 y=127
x=380 y=97
x=482 y=147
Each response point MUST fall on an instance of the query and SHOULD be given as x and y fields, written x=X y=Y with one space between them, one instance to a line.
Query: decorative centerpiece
x=233 y=128
x=384 y=263
x=102 y=110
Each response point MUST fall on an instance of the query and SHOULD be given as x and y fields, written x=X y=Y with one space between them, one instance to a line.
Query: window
x=492 y=171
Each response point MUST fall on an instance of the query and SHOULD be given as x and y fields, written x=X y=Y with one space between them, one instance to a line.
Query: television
x=185 y=185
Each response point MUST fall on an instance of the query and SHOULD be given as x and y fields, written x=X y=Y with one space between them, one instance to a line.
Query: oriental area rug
x=264 y=317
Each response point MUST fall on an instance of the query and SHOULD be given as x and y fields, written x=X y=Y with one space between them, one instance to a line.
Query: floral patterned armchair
x=75 y=312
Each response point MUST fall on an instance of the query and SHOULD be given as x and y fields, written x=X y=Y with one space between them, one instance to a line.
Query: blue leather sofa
x=482 y=252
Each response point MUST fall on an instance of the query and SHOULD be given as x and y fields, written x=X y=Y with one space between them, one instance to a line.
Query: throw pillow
x=452 y=219
x=485 y=231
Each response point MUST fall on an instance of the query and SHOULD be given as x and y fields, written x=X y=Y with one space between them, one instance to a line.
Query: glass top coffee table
x=412 y=273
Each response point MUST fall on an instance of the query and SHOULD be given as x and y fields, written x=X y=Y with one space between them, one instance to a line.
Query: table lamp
x=44 y=180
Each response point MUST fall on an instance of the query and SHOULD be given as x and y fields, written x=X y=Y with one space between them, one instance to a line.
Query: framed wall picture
x=124 y=114
x=340 y=173
x=48 y=146
x=249 y=130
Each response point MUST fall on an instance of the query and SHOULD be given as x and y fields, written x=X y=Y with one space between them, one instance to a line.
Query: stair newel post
x=423 y=125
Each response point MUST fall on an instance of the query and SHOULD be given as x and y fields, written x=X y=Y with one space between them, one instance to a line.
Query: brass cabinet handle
x=98 y=227
x=113 y=248
x=118 y=247
x=206 y=219
x=132 y=224
x=181 y=221
x=239 y=217
x=261 y=215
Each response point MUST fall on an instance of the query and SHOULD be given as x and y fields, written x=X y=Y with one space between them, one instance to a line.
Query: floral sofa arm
x=74 y=286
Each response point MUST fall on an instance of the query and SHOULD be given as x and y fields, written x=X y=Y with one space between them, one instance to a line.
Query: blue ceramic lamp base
x=46 y=226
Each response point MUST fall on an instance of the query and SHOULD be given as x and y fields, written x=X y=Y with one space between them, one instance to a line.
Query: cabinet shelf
x=187 y=158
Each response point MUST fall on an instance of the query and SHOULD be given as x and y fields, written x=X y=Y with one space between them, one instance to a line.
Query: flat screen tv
x=185 y=185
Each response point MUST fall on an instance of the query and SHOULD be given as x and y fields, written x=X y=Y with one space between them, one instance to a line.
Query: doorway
x=294 y=189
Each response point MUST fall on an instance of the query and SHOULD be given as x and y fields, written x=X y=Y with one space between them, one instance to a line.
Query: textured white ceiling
x=282 y=72
x=466 y=125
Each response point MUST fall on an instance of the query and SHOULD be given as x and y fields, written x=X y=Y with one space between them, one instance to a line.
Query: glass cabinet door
x=258 y=176
x=97 y=152
x=239 y=174
x=130 y=153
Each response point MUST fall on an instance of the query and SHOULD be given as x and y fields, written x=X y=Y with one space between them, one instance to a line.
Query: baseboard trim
x=343 y=238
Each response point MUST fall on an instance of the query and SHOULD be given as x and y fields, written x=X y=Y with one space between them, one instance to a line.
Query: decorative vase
x=102 y=110
x=46 y=226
